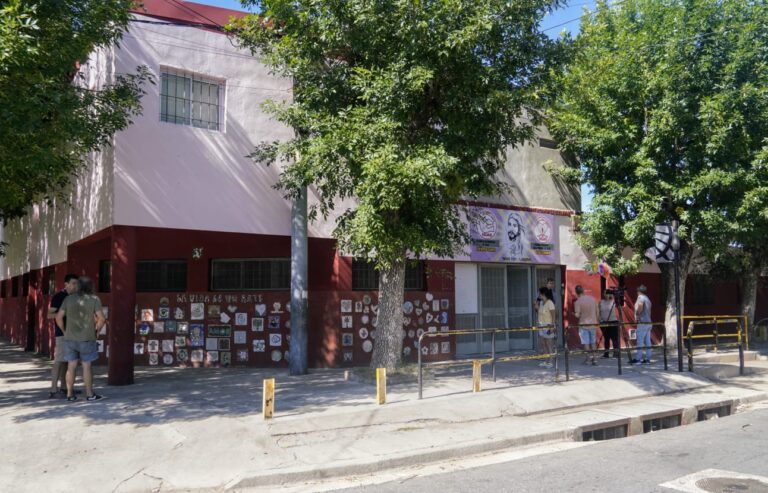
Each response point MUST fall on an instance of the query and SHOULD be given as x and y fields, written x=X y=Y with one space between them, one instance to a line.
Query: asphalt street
x=640 y=463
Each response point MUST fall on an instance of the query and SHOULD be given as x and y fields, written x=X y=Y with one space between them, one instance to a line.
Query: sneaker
x=543 y=364
x=606 y=355
x=633 y=361
x=646 y=362
x=548 y=365
x=94 y=397
x=594 y=363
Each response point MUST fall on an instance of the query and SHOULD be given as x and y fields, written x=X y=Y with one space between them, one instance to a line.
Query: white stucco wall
x=178 y=176
x=41 y=237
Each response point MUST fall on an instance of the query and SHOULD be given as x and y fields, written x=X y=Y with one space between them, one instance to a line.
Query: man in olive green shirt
x=84 y=320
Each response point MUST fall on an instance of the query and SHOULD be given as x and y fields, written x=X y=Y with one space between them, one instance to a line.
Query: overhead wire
x=592 y=12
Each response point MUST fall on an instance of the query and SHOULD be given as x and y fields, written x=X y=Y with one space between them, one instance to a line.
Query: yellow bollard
x=477 y=367
x=268 y=406
x=381 y=385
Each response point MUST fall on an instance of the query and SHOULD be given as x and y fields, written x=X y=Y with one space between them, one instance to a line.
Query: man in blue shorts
x=587 y=311
x=84 y=320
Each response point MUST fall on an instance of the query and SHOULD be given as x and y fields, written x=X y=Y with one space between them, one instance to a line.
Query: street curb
x=569 y=433
x=369 y=467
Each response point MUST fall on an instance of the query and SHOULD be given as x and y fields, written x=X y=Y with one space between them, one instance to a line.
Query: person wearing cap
x=643 y=318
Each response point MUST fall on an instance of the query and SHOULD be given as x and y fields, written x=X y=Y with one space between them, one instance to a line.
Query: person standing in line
x=609 y=325
x=546 y=318
x=643 y=318
x=84 y=320
x=588 y=313
x=59 y=370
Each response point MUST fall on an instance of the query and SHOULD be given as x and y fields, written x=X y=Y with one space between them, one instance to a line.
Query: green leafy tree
x=668 y=99
x=404 y=106
x=49 y=120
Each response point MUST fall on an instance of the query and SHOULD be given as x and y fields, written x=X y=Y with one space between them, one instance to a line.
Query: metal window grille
x=250 y=274
x=49 y=281
x=105 y=276
x=702 y=290
x=414 y=276
x=547 y=143
x=188 y=99
x=365 y=277
x=161 y=275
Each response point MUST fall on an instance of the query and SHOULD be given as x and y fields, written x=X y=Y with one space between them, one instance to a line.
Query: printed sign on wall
x=500 y=235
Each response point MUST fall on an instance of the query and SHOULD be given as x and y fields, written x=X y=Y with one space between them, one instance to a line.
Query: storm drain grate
x=608 y=433
x=657 y=424
x=732 y=485
x=714 y=412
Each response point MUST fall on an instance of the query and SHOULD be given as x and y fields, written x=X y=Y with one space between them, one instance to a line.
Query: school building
x=189 y=243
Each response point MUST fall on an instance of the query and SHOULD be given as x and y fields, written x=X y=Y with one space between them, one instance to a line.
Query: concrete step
x=725 y=356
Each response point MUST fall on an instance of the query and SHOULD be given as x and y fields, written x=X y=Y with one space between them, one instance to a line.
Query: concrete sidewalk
x=199 y=429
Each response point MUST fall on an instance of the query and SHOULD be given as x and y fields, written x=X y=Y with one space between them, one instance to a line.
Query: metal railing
x=716 y=322
x=493 y=359
x=623 y=332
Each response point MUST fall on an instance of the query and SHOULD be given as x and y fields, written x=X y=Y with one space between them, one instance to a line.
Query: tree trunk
x=668 y=278
x=388 y=345
x=748 y=285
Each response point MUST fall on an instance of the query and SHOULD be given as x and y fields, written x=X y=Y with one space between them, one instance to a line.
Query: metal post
x=493 y=355
x=677 y=303
x=554 y=343
x=741 y=357
x=477 y=371
x=421 y=376
x=299 y=360
x=620 y=330
x=664 y=341
x=567 y=355
x=690 y=353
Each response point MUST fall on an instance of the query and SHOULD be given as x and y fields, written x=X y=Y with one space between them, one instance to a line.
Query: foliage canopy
x=668 y=99
x=49 y=120
x=406 y=106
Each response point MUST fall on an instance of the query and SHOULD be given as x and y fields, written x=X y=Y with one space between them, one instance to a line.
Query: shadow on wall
x=191 y=178
x=40 y=238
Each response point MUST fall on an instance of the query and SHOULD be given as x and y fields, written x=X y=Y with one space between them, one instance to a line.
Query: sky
x=565 y=18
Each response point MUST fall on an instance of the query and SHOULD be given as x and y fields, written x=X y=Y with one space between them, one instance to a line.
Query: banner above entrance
x=500 y=235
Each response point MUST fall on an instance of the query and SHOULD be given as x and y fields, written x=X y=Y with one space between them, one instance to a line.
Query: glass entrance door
x=493 y=305
x=519 y=306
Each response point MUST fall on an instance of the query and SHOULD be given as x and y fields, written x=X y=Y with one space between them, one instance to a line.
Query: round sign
x=168 y=359
x=276 y=355
x=363 y=333
x=367 y=346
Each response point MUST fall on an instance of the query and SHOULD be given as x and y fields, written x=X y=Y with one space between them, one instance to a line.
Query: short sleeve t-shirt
x=80 y=322
x=607 y=311
x=56 y=302
x=645 y=315
x=586 y=307
x=545 y=313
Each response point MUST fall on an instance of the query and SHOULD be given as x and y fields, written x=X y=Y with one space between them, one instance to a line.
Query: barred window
x=250 y=274
x=702 y=289
x=190 y=100
x=49 y=281
x=105 y=276
x=365 y=277
x=161 y=275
